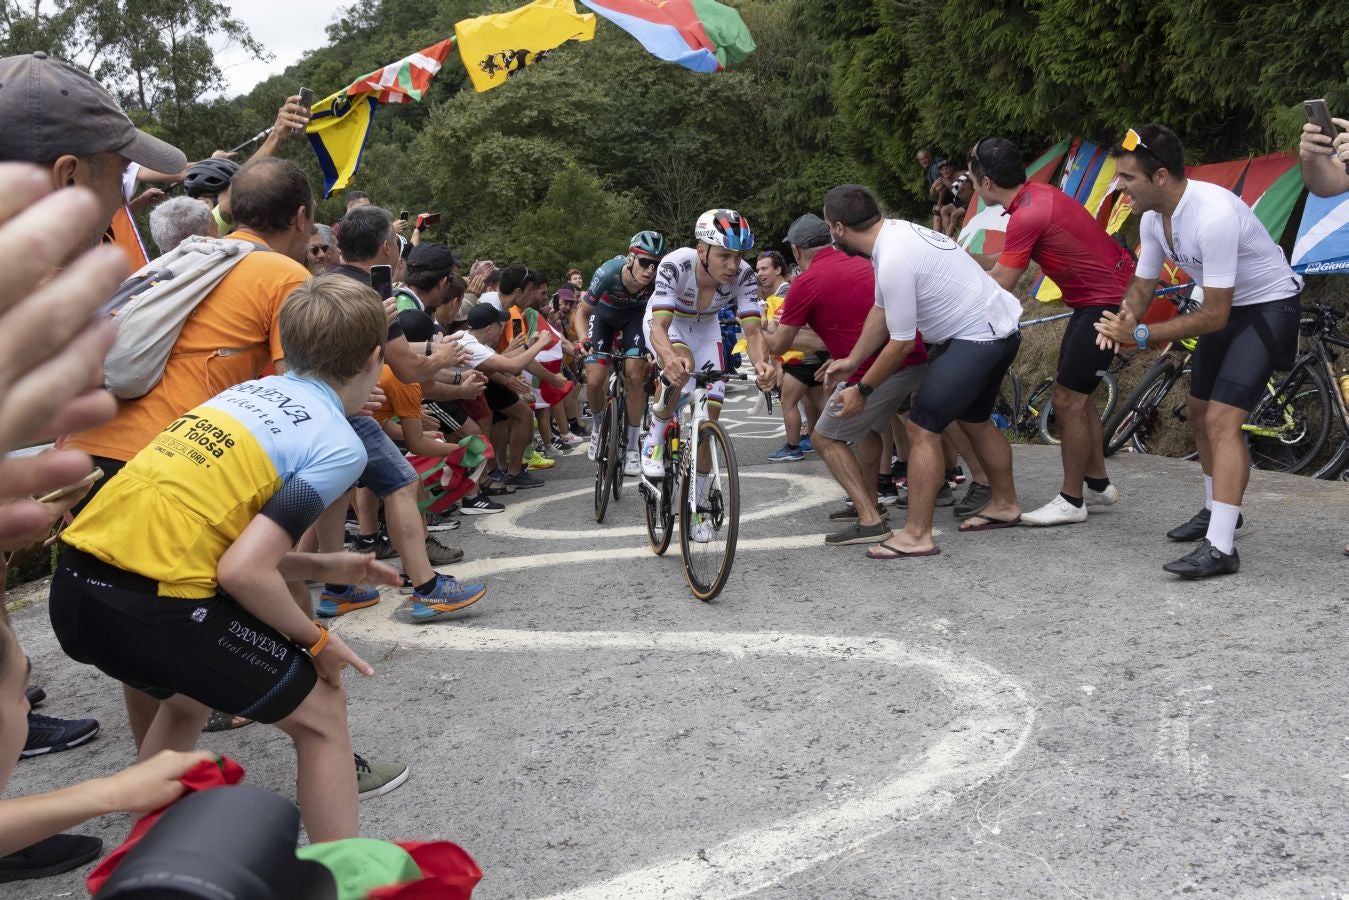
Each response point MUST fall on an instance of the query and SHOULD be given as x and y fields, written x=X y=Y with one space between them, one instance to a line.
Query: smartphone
x=381 y=279
x=69 y=489
x=404 y=215
x=517 y=327
x=306 y=97
x=1319 y=114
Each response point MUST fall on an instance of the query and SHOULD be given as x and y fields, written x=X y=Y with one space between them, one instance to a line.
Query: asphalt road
x=1034 y=713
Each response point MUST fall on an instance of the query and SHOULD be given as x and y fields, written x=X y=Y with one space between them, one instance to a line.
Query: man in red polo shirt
x=832 y=298
x=1092 y=270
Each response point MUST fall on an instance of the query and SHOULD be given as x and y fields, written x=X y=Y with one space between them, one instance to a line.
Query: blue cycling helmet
x=724 y=228
x=647 y=243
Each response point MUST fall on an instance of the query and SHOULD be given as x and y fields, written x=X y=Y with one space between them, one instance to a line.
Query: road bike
x=613 y=441
x=707 y=501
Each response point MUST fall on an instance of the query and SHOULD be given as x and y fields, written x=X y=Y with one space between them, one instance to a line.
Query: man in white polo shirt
x=926 y=282
x=1247 y=326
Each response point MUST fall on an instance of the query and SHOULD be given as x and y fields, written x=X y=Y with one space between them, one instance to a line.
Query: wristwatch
x=1141 y=336
x=864 y=389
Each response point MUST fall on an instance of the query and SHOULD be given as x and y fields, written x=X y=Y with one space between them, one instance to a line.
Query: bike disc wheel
x=1293 y=423
x=707 y=564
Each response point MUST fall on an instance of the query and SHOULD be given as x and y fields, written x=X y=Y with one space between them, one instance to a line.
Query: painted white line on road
x=991 y=720
x=480 y=568
x=806 y=491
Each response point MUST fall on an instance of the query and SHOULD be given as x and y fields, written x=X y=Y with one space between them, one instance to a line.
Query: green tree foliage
x=570 y=157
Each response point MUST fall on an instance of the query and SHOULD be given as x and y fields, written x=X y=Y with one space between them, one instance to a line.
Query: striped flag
x=339 y=124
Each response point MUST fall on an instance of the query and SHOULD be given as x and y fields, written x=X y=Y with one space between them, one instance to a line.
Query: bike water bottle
x=1344 y=388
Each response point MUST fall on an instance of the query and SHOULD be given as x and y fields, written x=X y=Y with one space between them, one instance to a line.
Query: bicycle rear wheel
x=1166 y=431
x=602 y=465
x=1104 y=395
x=1288 y=428
x=1028 y=422
x=1007 y=407
x=708 y=528
x=616 y=418
x=1140 y=407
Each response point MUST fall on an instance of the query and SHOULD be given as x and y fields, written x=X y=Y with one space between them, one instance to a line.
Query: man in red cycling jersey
x=1093 y=271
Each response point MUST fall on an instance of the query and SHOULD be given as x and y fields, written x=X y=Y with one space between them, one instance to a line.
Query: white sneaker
x=1107 y=497
x=594 y=449
x=702 y=530
x=1056 y=512
x=632 y=464
x=653 y=460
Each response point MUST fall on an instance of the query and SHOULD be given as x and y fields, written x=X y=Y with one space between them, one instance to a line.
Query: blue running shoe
x=788 y=453
x=447 y=596
x=354 y=597
x=805 y=445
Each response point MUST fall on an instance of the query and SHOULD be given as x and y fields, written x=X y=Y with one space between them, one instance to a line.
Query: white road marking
x=806 y=491
x=991 y=720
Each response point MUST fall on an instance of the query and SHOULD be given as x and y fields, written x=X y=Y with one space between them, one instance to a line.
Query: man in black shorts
x=1092 y=270
x=610 y=316
x=1247 y=327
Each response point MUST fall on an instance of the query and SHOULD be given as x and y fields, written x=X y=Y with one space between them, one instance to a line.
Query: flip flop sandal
x=223 y=721
x=990 y=523
x=900 y=554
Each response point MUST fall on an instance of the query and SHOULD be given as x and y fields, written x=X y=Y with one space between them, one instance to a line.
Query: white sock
x=1222 y=527
x=634 y=433
x=1208 y=493
x=596 y=420
x=658 y=429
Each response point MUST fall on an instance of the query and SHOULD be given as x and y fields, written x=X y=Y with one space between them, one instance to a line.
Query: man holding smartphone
x=1325 y=154
x=1247 y=327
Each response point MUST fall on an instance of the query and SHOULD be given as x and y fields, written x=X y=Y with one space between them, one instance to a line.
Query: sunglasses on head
x=1132 y=143
x=646 y=262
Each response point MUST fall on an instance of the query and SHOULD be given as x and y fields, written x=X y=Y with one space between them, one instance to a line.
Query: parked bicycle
x=701 y=483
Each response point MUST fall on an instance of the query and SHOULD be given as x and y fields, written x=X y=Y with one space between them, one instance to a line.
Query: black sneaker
x=35 y=696
x=886 y=493
x=480 y=506
x=945 y=497
x=1197 y=527
x=48 y=735
x=1203 y=561
x=849 y=512
x=50 y=856
x=381 y=546
x=442 y=522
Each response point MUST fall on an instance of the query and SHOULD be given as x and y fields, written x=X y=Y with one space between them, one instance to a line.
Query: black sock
x=899 y=468
x=1075 y=501
x=1097 y=484
x=336 y=588
x=428 y=587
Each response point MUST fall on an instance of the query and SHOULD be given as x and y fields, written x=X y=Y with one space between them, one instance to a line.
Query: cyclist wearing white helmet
x=610 y=316
x=692 y=285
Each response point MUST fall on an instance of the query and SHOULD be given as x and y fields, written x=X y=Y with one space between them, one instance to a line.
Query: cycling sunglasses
x=646 y=262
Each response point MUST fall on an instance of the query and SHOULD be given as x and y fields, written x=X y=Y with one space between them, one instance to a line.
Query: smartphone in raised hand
x=381 y=279
x=63 y=492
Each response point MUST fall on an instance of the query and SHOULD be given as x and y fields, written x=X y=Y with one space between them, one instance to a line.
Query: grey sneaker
x=975 y=500
x=858 y=533
x=440 y=555
x=848 y=512
x=376 y=778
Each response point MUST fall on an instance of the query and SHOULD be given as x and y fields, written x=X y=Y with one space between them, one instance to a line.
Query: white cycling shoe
x=1056 y=512
x=632 y=464
x=653 y=460
x=702 y=530
x=593 y=450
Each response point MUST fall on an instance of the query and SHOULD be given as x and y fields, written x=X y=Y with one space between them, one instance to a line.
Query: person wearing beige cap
x=62 y=119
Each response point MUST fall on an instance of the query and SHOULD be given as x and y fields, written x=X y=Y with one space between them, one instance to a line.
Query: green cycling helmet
x=647 y=243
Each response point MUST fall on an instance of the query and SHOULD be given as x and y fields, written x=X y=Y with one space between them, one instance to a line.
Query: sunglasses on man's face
x=646 y=263
x=319 y=250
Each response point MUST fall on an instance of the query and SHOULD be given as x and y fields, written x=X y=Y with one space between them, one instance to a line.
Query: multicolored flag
x=701 y=35
x=493 y=48
x=1323 y=237
x=338 y=124
x=985 y=227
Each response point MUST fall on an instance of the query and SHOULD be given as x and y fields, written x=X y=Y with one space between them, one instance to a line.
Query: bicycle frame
x=696 y=403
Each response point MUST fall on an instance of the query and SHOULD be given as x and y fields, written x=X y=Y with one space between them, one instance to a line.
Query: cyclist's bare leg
x=635 y=371
x=597 y=383
x=991 y=446
x=1227 y=446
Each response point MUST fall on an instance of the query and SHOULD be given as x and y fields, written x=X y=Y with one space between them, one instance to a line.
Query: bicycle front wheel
x=709 y=511
x=1103 y=395
x=1167 y=431
x=602 y=464
x=1289 y=426
x=1141 y=407
x=617 y=419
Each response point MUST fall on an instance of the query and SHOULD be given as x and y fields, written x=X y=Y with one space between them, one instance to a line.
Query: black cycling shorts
x=805 y=371
x=211 y=650
x=1082 y=364
x=612 y=330
x=962 y=381
x=1233 y=366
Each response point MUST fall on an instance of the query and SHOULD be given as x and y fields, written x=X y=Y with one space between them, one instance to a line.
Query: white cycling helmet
x=724 y=228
